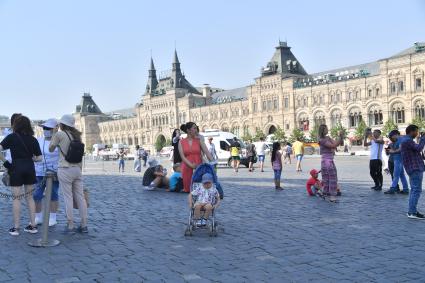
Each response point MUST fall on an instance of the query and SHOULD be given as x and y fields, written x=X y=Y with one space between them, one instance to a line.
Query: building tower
x=152 y=80
x=176 y=73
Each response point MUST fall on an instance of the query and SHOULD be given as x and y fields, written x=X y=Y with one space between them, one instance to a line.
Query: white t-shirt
x=261 y=148
x=376 y=150
x=7 y=154
x=50 y=160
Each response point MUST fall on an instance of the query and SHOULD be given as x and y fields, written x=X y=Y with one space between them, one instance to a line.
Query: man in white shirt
x=376 y=143
x=211 y=148
x=261 y=152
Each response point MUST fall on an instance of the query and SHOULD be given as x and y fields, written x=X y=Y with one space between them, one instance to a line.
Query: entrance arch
x=272 y=130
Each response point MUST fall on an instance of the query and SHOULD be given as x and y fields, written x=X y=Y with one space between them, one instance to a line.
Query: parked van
x=223 y=142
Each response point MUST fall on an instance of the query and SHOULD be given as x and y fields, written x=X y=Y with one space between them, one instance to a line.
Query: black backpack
x=75 y=151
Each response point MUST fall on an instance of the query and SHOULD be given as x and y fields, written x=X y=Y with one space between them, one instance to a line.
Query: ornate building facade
x=284 y=95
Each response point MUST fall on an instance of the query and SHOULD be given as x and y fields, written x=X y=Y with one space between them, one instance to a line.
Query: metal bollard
x=44 y=241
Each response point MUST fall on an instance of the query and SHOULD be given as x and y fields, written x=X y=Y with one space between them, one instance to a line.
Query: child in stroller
x=203 y=200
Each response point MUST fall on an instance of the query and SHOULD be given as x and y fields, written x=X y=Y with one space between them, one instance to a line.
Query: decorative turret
x=152 y=80
x=176 y=73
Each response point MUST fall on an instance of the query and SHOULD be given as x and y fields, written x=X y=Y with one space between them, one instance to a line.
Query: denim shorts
x=261 y=158
x=299 y=157
x=277 y=173
x=40 y=186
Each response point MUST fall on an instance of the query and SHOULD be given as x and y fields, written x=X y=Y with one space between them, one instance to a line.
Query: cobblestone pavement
x=269 y=236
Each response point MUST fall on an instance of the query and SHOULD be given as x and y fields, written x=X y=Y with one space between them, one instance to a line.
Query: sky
x=51 y=52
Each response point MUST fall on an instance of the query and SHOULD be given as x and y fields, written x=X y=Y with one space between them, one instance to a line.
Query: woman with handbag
x=49 y=163
x=25 y=151
x=70 y=173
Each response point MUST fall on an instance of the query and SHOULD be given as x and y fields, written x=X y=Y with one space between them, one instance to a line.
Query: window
x=305 y=102
x=420 y=109
x=269 y=104
x=377 y=92
x=286 y=102
x=398 y=113
x=287 y=126
x=275 y=104
x=400 y=86
x=418 y=84
x=254 y=107
x=336 y=118
x=354 y=118
x=393 y=88
x=375 y=117
x=264 y=105
x=369 y=93
x=321 y=100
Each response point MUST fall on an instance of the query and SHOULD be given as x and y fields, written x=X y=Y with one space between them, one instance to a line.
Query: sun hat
x=68 y=120
x=314 y=172
x=207 y=178
x=153 y=162
x=50 y=123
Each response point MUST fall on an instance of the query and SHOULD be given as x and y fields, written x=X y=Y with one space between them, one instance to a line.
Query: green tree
x=338 y=128
x=258 y=134
x=279 y=135
x=160 y=142
x=314 y=134
x=246 y=136
x=360 y=130
x=388 y=127
x=297 y=134
x=418 y=121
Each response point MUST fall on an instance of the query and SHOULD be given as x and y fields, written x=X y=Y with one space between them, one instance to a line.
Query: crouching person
x=155 y=176
x=176 y=181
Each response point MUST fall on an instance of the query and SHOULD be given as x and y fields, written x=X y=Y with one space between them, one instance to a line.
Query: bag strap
x=68 y=146
x=22 y=141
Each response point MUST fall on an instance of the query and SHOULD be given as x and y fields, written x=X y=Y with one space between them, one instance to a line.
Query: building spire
x=176 y=58
x=152 y=68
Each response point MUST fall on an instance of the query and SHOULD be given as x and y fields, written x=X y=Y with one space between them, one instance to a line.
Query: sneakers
x=14 y=231
x=31 y=229
x=416 y=215
x=199 y=223
x=279 y=188
x=403 y=192
x=69 y=231
x=391 y=191
x=83 y=230
x=379 y=188
x=52 y=221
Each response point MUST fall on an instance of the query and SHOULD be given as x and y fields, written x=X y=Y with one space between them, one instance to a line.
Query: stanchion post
x=44 y=241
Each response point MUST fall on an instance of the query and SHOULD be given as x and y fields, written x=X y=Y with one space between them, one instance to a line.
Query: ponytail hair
x=187 y=126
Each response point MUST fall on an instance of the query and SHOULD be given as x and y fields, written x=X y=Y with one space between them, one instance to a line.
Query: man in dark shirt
x=250 y=155
x=414 y=165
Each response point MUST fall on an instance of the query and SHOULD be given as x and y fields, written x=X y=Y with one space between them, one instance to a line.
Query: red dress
x=193 y=154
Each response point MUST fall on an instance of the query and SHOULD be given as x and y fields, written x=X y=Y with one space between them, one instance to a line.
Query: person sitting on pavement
x=176 y=181
x=314 y=185
x=207 y=198
x=155 y=176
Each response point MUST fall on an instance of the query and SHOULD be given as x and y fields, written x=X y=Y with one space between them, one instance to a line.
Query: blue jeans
x=399 y=175
x=121 y=165
x=277 y=174
x=415 y=189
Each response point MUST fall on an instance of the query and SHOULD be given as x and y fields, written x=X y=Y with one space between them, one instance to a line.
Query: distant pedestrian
x=414 y=165
x=376 y=143
x=298 y=149
x=175 y=140
x=398 y=169
x=70 y=173
x=50 y=162
x=261 y=151
x=137 y=159
x=235 y=148
x=121 y=160
x=287 y=153
x=277 y=165
x=25 y=151
x=145 y=155
x=328 y=168
x=250 y=154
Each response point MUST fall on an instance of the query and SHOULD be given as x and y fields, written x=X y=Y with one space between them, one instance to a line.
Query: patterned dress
x=329 y=174
x=193 y=154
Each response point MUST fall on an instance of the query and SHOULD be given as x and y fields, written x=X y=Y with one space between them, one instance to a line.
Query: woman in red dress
x=190 y=149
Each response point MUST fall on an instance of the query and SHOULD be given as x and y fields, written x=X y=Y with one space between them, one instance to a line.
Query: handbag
x=6 y=179
x=86 y=198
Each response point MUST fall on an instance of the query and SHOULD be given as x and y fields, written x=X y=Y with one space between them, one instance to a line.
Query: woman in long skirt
x=327 y=151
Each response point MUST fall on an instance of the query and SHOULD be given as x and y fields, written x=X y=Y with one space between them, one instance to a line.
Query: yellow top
x=234 y=151
x=298 y=148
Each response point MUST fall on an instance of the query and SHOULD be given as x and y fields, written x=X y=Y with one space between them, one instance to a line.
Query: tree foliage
x=160 y=143
x=388 y=127
x=314 y=134
x=360 y=130
x=418 y=121
x=279 y=135
x=258 y=134
x=338 y=128
x=297 y=134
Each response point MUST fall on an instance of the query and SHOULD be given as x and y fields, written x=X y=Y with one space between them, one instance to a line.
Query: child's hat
x=314 y=172
x=207 y=178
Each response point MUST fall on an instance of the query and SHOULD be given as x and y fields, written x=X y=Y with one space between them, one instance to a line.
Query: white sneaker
x=204 y=222
x=199 y=223
x=52 y=221
x=38 y=220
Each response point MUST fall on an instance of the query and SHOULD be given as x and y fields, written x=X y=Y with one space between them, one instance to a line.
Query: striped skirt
x=329 y=177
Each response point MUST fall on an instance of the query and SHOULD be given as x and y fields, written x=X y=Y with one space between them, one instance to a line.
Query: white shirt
x=261 y=148
x=376 y=150
x=211 y=149
x=50 y=160
x=7 y=153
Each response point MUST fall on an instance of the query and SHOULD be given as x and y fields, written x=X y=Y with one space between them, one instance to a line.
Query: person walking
x=414 y=165
x=175 y=140
x=145 y=155
x=24 y=151
x=328 y=168
x=234 y=153
x=250 y=153
x=69 y=173
x=276 y=160
x=262 y=146
x=121 y=160
x=398 y=169
x=288 y=153
x=376 y=144
x=298 y=149
x=137 y=159
x=211 y=148
x=49 y=162
x=191 y=149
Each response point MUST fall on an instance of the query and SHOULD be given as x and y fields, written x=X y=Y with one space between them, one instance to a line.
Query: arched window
x=375 y=116
x=397 y=113
x=420 y=109
x=319 y=119
x=336 y=118
x=303 y=122
x=355 y=116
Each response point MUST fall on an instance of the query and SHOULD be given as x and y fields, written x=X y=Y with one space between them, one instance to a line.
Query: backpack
x=75 y=151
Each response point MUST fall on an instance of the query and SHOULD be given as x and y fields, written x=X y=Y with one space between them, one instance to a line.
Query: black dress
x=22 y=149
x=176 y=154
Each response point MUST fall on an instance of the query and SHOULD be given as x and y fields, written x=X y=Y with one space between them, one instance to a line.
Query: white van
x=222 y=142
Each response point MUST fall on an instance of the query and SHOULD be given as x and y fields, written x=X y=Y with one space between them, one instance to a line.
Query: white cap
x=68 y=120
x=50 y=123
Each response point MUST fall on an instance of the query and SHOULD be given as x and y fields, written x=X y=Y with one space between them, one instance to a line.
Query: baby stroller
x=196 y=182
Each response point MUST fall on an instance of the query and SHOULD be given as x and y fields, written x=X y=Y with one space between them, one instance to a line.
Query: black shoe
x=391 y=191
x=373 y=188
x=378 y=189
x=416 y=215
x=403 y=192
x=31 y=229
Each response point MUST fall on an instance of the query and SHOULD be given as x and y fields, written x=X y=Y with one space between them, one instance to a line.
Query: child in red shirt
x=314 y=185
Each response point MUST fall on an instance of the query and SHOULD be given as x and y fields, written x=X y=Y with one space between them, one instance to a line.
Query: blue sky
x=53 y=51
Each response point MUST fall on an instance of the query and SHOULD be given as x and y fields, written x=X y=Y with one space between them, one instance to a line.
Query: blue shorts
x=277 y=174
x=261 y=158
x=299 y=157
x=40 y=186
